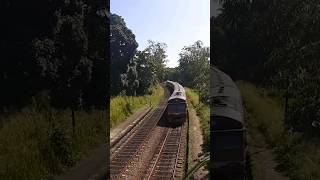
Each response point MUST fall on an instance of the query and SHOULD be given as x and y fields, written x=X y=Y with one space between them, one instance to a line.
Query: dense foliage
x=54 y=60
x=151 y=65
x=57 y=46
x=133 y=71
x=194 y=68
x=122 y=49
x=275 y=44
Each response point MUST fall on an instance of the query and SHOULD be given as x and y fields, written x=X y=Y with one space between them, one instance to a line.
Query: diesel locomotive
x=176 y=110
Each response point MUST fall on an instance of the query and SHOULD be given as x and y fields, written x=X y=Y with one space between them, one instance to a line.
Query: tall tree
x=97 y=26
x=22 y=22
x=122 y=49
x=151 y=65
x=194 y=66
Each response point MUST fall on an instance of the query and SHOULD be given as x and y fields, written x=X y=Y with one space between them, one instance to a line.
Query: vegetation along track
x=124 y=151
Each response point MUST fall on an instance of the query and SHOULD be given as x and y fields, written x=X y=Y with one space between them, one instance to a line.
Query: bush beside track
x=38 y=142
x=297 y=156
x=203 y=111
x=123 y=106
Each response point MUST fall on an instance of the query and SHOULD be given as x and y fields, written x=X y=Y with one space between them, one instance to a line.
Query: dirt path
x=196 y=142
x=262 y=162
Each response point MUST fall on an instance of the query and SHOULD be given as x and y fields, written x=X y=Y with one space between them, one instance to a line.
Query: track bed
x=154 y=150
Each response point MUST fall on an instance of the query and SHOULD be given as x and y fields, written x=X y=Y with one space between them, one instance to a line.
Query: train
x=176 y=111
x=228 y=130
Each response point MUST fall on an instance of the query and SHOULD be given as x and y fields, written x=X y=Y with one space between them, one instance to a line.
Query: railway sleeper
x=130 y=147
x=120 y=160
x=136 y=141
x=126 y=153
x=164 y=173
x=172 y=145
x=171 y=157
x=168 y=158
x=138 y=137
x=117 y=163
x=170 y=148
x=169 y=153
x=160 y=168
x=160 y=164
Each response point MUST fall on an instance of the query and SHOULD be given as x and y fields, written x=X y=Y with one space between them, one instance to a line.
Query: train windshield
x=181 y=107
x=176 y=107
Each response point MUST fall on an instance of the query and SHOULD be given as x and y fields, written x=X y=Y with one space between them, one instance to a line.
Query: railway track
x=167 y=163
x=124 y=151
x=149 y=150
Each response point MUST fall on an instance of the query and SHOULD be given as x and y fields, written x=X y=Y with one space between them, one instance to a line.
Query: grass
x=203 y=111
x=298 y=157
x=123 y=106
x=204 y=115
x=38 y=141
x=264 y=113
x=264 y=122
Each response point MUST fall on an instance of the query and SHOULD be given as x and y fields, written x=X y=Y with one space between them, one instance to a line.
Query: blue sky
x=177 y=23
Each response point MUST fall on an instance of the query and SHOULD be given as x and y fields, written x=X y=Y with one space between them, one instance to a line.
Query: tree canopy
x=54 y=46
x=123 y=47
x=194 y=67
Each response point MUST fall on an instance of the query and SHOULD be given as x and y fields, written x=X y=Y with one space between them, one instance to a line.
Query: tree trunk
x=286 y=104
x=73 y=121
x=286 y=111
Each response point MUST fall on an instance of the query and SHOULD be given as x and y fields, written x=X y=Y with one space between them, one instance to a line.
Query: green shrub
x=203 y=111
x=298 y=156
x=192 y=96
x=38 y=142
x=123 y=106
x=266 y=114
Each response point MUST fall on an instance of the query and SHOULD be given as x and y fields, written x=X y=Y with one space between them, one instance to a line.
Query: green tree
x=97 y=27
x=122 y=49
x=146 y=76
x=194 y=67
x=130 y=79
x=151 y=65
x=22 y=22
